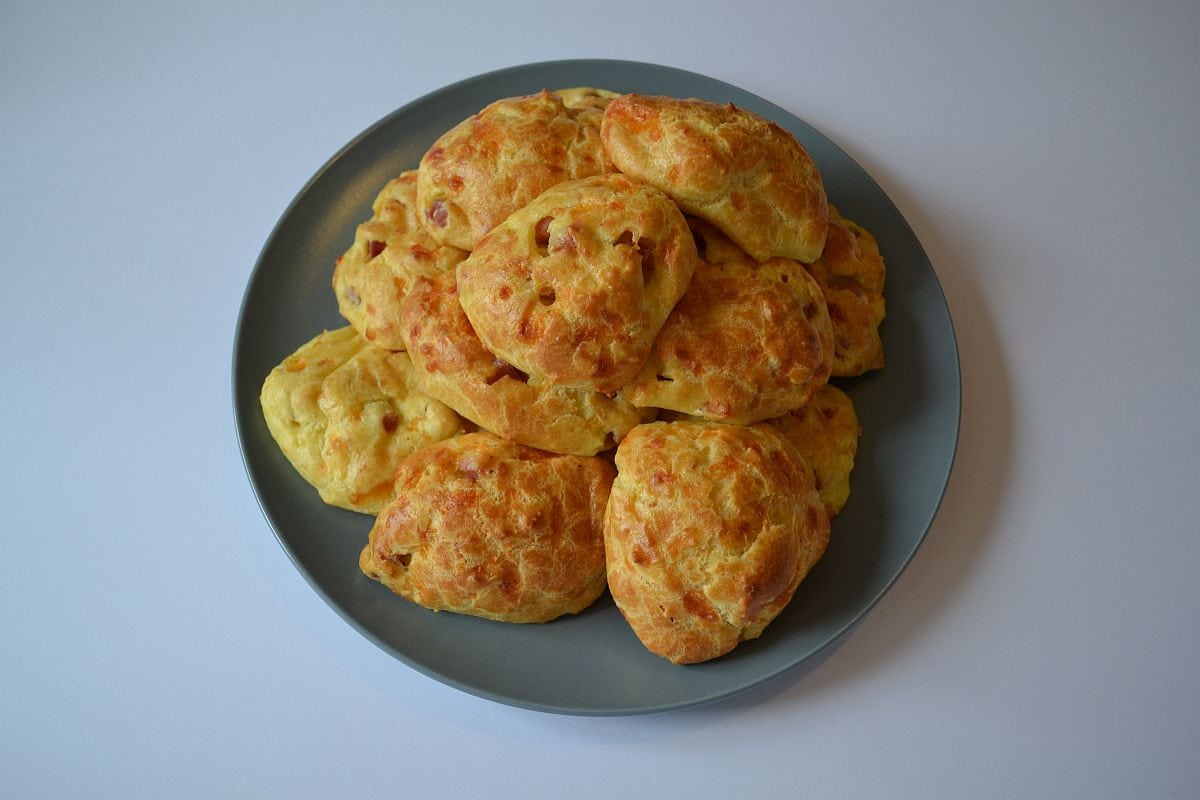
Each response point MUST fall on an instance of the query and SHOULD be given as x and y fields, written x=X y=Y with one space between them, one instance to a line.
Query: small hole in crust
x=505 y=370
x=646 y=249
x=403 y=559
x=374 y=248
x=626 y=237
x=785 y=277
x=546 y=296
x=810 y=311
x=541 y=235
x=664 y=378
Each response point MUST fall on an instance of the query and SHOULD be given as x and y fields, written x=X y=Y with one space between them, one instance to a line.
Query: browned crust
x=743 y=173
x=747 y=342
x=574 y=287
x=496 y=161
x=490 y=528
x=825 y=432
x=851 y=274
x=709 y=530
x=390 y=251
x=457 y=369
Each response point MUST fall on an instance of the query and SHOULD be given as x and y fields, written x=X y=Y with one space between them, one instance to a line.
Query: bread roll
x=494 y=529
x=709 y=530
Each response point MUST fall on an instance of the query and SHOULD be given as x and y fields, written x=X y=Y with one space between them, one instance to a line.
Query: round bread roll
x=496 y=161
x=744 y=174
x=747 y=342
x=825 y=432
x=389 y=252
x=494 y=529
x=457 y=369
x=709 y=530
x=345 y=414
x=574 y=286
x=851 y=275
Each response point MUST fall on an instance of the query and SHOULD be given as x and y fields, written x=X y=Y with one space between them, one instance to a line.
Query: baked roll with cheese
x=709 y=530
x=496 y=161
x=494 y=529
x=344 y=413
x=748 y=341
x=457 y=369
x=825 y=432
x=851 y=275
x=574 y=287
x=742 y=173
x=390 y=251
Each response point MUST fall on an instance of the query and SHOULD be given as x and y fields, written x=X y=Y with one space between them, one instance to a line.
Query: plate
x=592 y=663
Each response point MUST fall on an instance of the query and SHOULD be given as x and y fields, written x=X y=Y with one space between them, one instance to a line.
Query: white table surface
x=1045 y=642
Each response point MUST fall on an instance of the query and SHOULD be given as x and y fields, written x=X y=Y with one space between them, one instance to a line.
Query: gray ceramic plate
x=592 y=663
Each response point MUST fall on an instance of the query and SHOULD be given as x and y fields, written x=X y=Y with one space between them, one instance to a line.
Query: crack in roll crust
x=747 y=342
x=490 y=528
x=586 y=97
x=709 y=530
x=825 y=432
x=574 y=287
x=345 y=413
x=744 y=174
x=496 y=161
x=457 y=369
x=390 y=251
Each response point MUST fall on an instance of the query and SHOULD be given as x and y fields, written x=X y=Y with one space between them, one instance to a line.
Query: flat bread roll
x=742 y=173
x=747 y=342
x=390 y=251
x=345 y=414
x=291 y=395
x=494 y=529
x=851 y=274
x=574 y=287
x=709 y=530
x=825 y=432
x=457 y=369
x=496 y=161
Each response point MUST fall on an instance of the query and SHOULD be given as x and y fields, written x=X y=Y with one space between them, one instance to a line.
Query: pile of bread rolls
x=589 y=346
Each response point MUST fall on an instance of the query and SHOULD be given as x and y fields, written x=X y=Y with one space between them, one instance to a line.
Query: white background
x=1044 y=643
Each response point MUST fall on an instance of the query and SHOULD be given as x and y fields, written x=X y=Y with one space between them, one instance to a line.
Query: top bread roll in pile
x=590 y=341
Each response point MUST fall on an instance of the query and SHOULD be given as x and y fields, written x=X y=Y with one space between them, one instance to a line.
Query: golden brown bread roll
x=389 y=252
x=825 y=432
x=494 y=529
x=457 y=369
x=747 y=342
x=851 y=274
x=574 y=287
x=345 y=413
x=496 y=161
x=709 y=530
x=744 y=174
